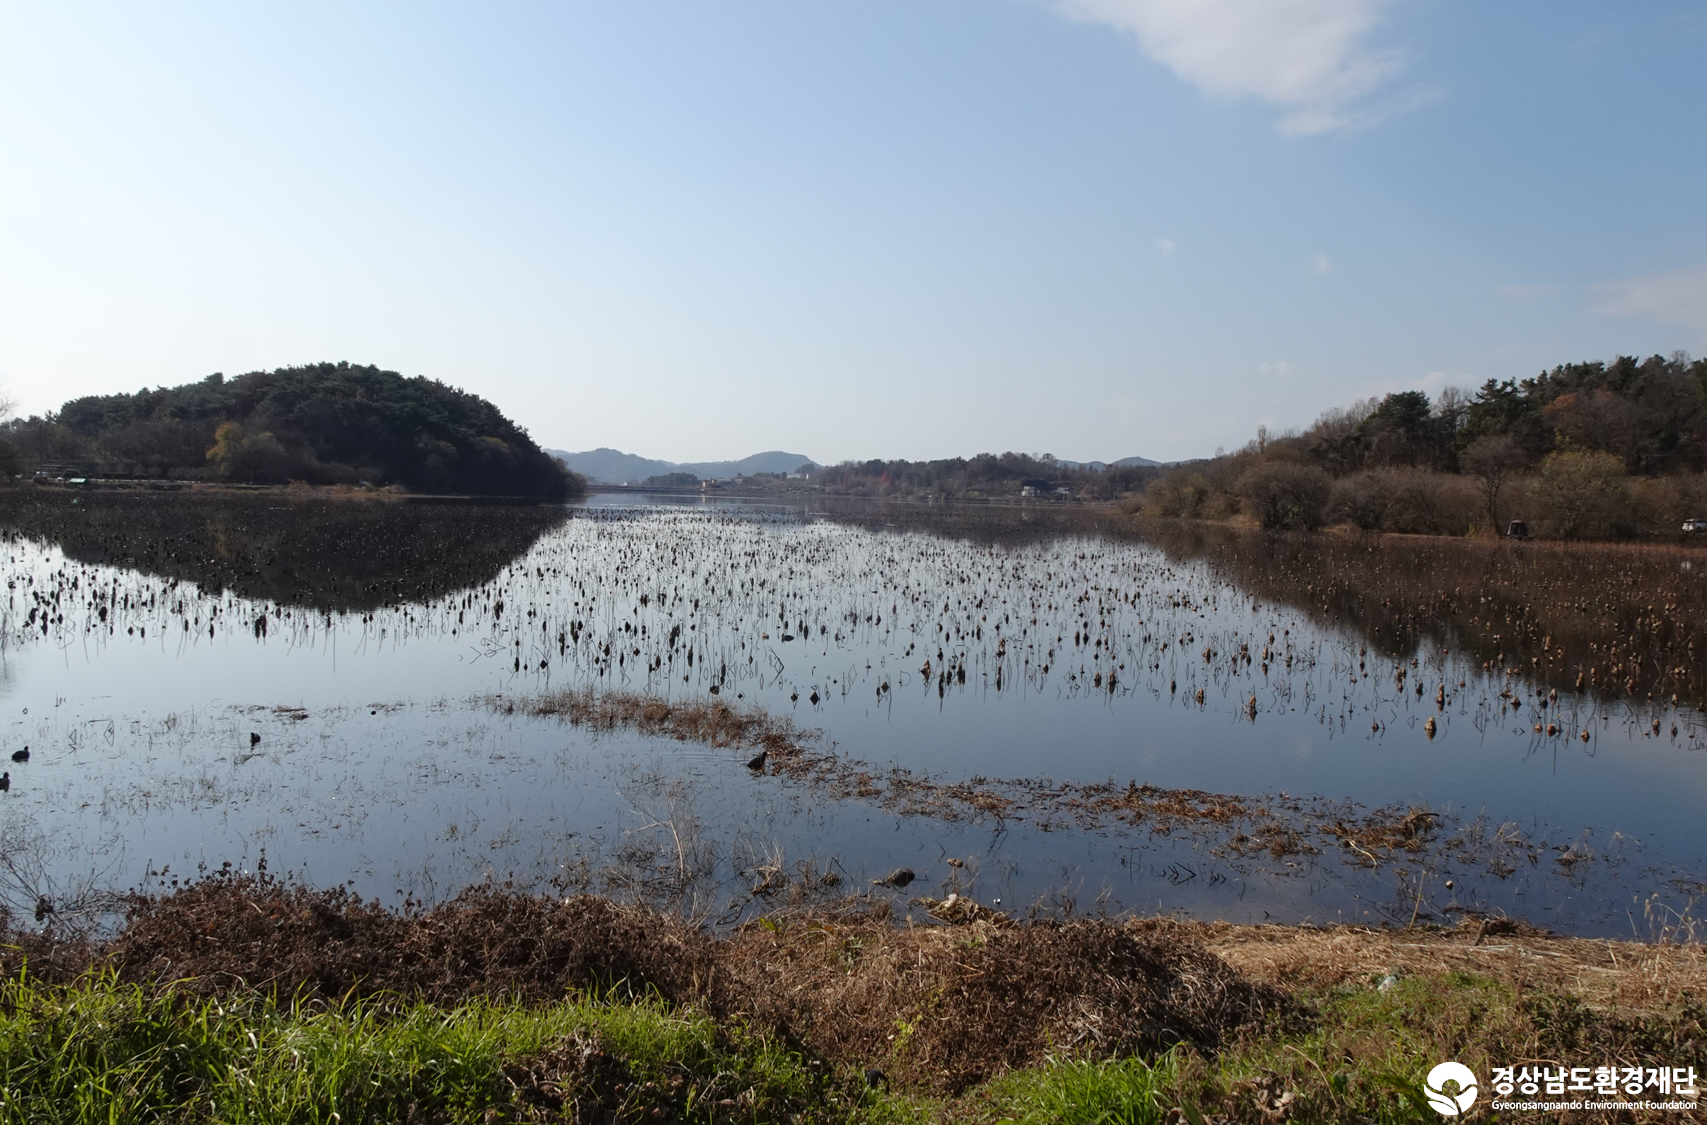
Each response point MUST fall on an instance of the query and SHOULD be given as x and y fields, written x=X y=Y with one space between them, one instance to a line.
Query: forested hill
x=1586 y=450
x=327 y=423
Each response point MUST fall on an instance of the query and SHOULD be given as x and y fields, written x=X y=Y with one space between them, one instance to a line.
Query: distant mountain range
x=1099 y=466
x=612 y=466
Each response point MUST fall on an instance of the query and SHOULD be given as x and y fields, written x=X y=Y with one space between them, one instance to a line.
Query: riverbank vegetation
x=323 y=424
x=241 y=998
x=1584 y=451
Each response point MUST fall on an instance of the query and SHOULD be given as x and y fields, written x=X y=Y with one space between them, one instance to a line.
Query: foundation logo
x=1451 y=1105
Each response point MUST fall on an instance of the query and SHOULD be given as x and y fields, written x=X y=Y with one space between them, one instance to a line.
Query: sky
x=885 y=228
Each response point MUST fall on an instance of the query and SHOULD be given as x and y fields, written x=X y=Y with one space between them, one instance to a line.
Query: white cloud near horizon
x=1678 y=298
x=1306 y=57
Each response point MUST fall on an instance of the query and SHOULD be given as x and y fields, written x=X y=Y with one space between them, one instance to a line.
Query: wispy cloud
x=1319 y=264
x=1166 y=245
x=1671 y=298
x=1307 y=57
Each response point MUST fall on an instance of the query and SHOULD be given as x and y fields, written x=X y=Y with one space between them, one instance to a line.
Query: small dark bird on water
x=758 y=763
x=899 y=877
x=254 y=739
x=5 y=782
x=21 y=755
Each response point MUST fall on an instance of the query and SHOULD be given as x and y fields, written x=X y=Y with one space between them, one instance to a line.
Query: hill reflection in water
x=329 y=554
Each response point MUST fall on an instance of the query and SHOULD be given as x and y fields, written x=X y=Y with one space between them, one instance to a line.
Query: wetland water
x=202 y=681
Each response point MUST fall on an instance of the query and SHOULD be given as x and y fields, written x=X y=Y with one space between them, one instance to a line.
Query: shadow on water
x=328 y=554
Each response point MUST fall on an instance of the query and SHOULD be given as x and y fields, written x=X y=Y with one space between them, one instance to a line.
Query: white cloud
x=1305 y=56
x=1671 y=298
x=1319 y=264
x=1279 y=367
x=1166 y=245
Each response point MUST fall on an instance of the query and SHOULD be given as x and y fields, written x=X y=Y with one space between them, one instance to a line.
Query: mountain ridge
x=605 y=465
x=612 y=466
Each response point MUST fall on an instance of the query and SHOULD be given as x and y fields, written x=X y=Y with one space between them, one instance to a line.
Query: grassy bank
x=104 y=1051
x=244 y=1001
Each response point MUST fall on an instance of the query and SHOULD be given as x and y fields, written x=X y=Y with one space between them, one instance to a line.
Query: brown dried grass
x=1276 y=824
x=946 y=1008
x=714 y=723
x=936 y=1007
x=1630 y=979
x=245 y=933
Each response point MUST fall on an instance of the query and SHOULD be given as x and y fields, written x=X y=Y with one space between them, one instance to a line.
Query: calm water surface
x=139 y=679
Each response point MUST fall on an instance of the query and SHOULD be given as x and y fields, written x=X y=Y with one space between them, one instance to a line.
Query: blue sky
x=900 y=228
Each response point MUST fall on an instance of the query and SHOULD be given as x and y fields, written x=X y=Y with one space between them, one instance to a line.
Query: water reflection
x=1618 y=620
x=334 y=555
x=959 y=643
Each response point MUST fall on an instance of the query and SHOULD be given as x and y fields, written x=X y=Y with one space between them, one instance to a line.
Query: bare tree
x=1452 y=407
x=1286 y=495
x=1491 y=459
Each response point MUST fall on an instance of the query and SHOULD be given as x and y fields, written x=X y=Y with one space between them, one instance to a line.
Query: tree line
x=987 y=476
x=1586 y=450
x=326 y=423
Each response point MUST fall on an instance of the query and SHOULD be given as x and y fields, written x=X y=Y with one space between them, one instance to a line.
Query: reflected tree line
x=331 y=555
x=1620 y=620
